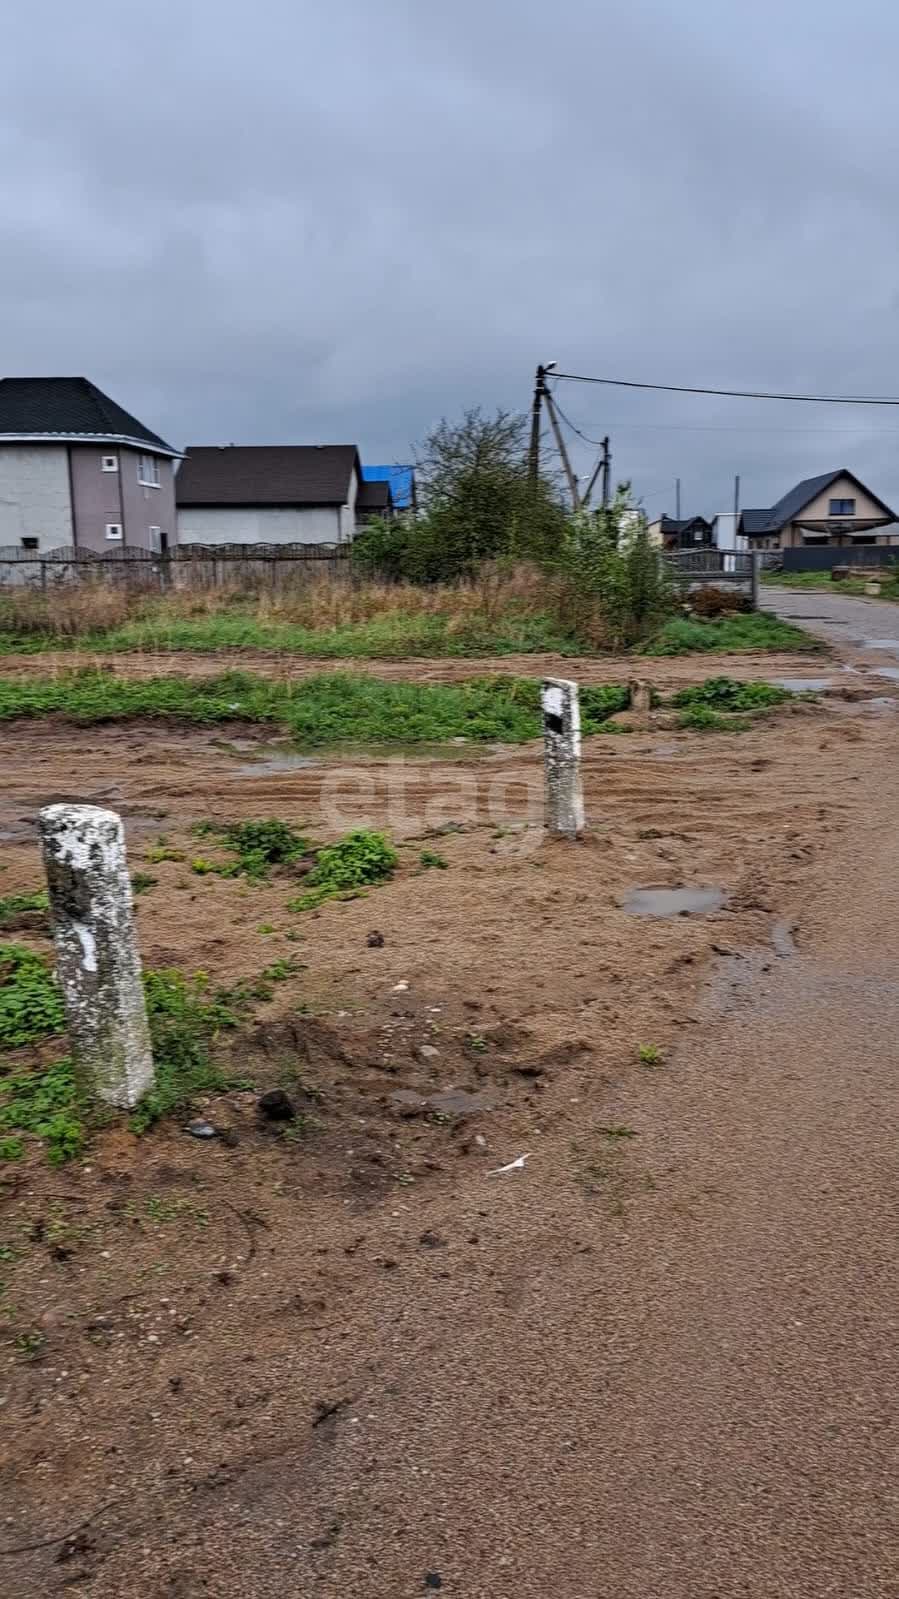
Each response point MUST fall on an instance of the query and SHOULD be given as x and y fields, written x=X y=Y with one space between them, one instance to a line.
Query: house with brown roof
x=833 y=509
x=274 y=494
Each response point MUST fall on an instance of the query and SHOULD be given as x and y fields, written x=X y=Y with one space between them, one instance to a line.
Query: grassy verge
x=334 y=708
x=823 y=581
x=750 y=630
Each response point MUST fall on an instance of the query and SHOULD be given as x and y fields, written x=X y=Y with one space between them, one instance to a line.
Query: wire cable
x=732 y=394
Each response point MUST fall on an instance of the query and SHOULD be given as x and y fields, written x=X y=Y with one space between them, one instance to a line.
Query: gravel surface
x=866 y=631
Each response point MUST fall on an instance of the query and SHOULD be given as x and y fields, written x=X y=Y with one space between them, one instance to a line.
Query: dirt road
x=657 y=1363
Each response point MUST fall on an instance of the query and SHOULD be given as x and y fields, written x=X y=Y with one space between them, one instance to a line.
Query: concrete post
x=640 y=698
x=562 y=757
x=756 y=571
x=96 y=950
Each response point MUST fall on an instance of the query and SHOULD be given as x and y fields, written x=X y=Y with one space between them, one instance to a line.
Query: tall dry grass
x=79 y=610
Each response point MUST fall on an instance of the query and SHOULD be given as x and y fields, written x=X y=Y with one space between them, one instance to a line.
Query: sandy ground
x=665 y=672
x=656 y=1361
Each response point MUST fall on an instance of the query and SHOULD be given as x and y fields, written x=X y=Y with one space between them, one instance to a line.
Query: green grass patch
x=727 y=694
x=430 y=857
x=14 y=905
x=333 y=708
x=844 y=585
x=398 y=634
x=341 y=870
x=49 y=1105
x=30 y=1001
x=750 y=630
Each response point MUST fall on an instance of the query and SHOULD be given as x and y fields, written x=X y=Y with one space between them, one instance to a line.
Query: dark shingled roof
x=68 y=408
x=374 y=497
x=756 y=521
x=267 y=474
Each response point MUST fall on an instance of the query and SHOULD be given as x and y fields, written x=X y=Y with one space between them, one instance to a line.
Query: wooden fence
x=199 y=566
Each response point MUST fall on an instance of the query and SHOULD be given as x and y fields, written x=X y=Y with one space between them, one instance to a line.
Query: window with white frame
x=148 y=471
x=109 y=463
x=114 y=532
x=155 y=539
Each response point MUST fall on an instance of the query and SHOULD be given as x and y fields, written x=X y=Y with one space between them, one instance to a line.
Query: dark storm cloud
x=297 y=221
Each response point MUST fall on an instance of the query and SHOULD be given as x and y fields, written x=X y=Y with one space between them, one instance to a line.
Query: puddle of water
x=271 y=763
x=892 y=672
x=879 y=643
x=804 y=685
x=664 y=751
x=672 y=901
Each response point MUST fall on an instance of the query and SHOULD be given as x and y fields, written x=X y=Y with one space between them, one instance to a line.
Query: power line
x=748 y=427
x=597 y=443
x=733 y=394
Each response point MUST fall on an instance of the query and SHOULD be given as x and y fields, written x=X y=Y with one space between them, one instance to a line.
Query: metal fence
x=185 y=566
x=820 y=558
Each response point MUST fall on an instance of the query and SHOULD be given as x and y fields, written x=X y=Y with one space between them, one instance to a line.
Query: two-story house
x=835 y=508
x=76 y=469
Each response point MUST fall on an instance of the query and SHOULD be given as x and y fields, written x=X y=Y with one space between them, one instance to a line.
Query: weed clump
x=185 y=1021
x=48 y=1104
x=726 y=694
x=341 y=870
x=256 y=845
x=30 y=1001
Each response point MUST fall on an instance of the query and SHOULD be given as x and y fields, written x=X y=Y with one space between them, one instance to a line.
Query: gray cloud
x=339 y=222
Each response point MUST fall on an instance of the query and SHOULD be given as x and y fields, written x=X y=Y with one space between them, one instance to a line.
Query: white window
x=155 y=538
x=114 y=530
x=109 y=463
x=148 y=471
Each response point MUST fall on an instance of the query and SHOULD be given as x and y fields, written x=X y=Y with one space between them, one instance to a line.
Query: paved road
x=867 y=629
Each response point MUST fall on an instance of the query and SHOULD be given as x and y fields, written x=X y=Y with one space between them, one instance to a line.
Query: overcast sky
x=304 y=222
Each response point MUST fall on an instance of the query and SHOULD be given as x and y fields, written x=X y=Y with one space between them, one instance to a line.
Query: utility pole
x=677 y=497
x=534 y=450
x=736 y=500
x=606 y=471
x=560 y=442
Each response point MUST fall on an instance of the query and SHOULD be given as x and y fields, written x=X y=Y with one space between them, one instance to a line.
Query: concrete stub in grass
x=97 y=958
x=640 y=697
x=562 y=757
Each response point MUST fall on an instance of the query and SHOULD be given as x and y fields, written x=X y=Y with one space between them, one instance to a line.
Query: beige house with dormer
x=835 y=508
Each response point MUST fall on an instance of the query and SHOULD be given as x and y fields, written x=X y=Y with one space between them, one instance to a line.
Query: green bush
x=618 y=588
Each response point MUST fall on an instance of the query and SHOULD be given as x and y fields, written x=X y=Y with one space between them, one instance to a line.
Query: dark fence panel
x=185 y=566
x=820 y=558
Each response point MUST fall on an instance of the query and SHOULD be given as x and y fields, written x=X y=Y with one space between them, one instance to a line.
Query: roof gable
x=792 y=504
x=69 y=409
x=267 y=474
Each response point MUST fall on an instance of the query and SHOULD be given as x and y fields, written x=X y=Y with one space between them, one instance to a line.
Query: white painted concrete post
x=756 y=578
x=562 y=757
x=96 y=950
